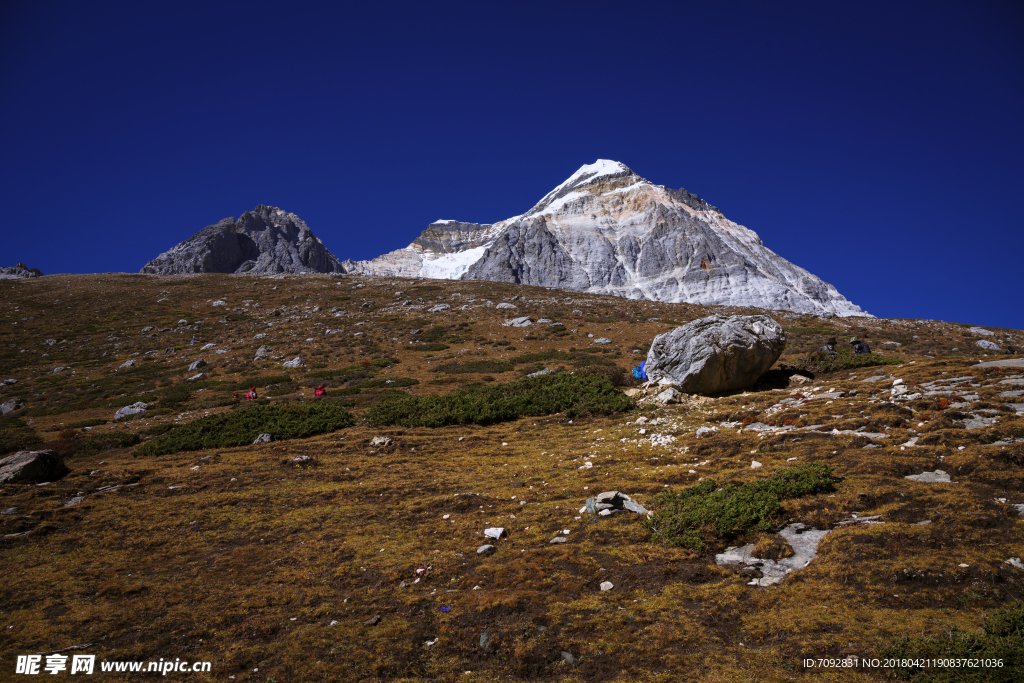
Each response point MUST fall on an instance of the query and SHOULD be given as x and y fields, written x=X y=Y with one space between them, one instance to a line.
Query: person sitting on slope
x=859 y=346
x=319 y=391
x=251 y=396
x=830 y=347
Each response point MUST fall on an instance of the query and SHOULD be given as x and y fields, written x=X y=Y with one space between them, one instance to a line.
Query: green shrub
x=95 y=422
x=380 y=383
x=475 y=366
x=384 y=362
x=177 y=394
x=434 y=334
x=263 y=381
x=73 y=444
x=15 y=435
x=241 y=427
x=576 y=394
x=845 y=359
x=703 y=513
x=1002 y=637
x=427 y=347
x=157 y=430
x=542 y=356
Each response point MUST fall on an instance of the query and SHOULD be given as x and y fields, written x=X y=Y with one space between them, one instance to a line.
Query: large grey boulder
x=11 y=405
x=32 y=467
x=265 y=240
x=134 y=409
x=715 y=354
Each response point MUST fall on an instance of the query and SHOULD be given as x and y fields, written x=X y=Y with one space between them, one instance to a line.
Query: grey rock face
x=262 y=438
x=987 y=345
x=134 y=409
x=262 y=352
x=607 y=230
x=32 y=467
x=195 y=365
x=265 y=240
x=715 y=354
x=293 y=363
x=518 y=322
x=19 y=271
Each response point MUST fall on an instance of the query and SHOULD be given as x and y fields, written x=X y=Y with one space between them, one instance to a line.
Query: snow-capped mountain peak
x=608 y=230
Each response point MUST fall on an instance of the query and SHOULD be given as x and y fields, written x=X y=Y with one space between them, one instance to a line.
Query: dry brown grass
x=251 y=574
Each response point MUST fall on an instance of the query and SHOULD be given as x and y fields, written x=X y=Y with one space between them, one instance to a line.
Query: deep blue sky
x=878 y=145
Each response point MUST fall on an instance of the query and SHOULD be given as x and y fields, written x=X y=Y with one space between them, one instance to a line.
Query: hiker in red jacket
x=319 y=391
x=251 y=396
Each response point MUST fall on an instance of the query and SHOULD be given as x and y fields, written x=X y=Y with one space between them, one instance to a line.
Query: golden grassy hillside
x=360 y=563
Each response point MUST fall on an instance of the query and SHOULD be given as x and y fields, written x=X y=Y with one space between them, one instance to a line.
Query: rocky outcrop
x=609 y=231
x=265 y=240
x=715 y=354
x=19 y=271
x=32 y=467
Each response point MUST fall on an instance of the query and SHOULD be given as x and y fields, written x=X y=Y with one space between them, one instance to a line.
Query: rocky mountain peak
x=264 y=240
x=607 y=229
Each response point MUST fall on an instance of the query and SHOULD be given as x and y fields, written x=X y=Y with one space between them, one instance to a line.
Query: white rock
x=754 y=464
x=607 y=585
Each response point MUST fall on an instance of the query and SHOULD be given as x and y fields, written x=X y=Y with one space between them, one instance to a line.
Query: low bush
x=705 y=513
x=1001 y=638
x=241 y=427
x=263 y=381
x=427 y=347
x=475 y=366
x=176 y=394
x=95 y=422
x=380 y=383
x=16 y=435
x=157 y=430
x=72 y=443
x=578 y=395
x=845 y=359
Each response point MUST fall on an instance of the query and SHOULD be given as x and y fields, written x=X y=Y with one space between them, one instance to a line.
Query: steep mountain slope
x=265 y=240
x=607 y=230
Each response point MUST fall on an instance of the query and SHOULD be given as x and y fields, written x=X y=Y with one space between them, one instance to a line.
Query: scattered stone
x=701 y=431
x=263 y=352
x=485 y=642
x=980 y=330
x=293 y=363
x=302 y=458
x=261 y=335
x=74 y=501
x=986 y=344
x=381 y=441
x=558 y=539
x=199 y=376
x=505 y=305
x=219 y=302
x=717 y=353
x=495 y=532
x=207 y=347
x=262 y=438
x=195 y=365
x=485 y=549
x=438 y=308
x=755 y=464
x=128 y=363
x=372 y=621
x=9 y=511
x=614 y=500
x=517 y=322
x=137 y=408
x=936 y=477
x=32 y=467
x=1015 y=562
x=540 y=373
x=568 y=659
x=669 y=396
x=10 y=405
x=607 y=585
x=603 y=340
